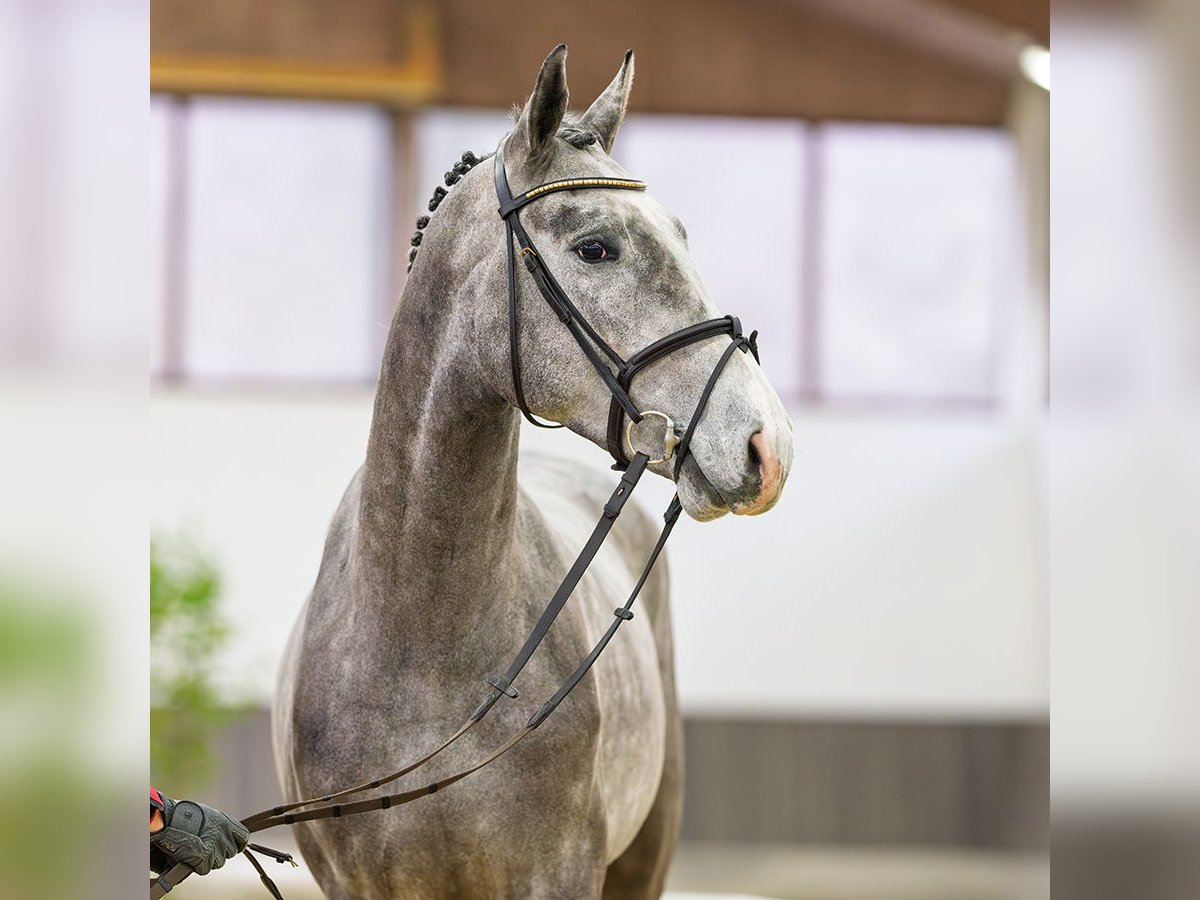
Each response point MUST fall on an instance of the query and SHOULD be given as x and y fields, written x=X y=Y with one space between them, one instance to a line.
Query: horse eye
x=592 y=251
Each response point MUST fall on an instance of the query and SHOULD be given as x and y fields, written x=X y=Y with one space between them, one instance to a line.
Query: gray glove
x=198 y=836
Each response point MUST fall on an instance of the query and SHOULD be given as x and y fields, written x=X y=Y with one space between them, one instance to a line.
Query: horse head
x=623 y=260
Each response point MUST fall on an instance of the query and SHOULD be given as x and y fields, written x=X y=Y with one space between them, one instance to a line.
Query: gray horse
x=439 y=559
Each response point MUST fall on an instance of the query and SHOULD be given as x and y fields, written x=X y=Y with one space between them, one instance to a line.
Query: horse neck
x=437 y=502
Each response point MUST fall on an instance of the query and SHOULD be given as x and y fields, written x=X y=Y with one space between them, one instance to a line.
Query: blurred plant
x=47 y=702
x=187 y=632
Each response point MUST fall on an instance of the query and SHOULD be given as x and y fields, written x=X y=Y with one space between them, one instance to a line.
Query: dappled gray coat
x=439 y=559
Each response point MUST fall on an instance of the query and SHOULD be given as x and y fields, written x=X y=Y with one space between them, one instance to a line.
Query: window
x=877 y=261
x=916 y=258
x=162 y=242
x=738 y=187
x=443 y=135
x=283 y=209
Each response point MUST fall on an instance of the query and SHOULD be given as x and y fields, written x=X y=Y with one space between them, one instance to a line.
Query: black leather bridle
x=593 y=345
x=632 y=465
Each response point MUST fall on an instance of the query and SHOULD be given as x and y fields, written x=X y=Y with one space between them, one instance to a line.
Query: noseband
x=617 y=375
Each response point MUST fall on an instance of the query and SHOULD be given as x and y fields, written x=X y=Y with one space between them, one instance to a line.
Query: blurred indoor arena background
x=976 y=478
x=866 y=183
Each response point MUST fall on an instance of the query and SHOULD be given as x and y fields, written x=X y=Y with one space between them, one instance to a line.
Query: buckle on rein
x=670 y=440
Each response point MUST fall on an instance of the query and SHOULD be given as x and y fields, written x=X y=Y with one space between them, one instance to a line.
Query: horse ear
x=605 y=115
x=546 y=106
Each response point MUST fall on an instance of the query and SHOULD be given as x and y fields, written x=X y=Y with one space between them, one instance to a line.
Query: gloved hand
x=197 y=835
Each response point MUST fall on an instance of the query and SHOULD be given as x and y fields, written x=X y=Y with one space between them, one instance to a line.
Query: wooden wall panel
x=768 y=58
x=317 y=31
x=383 y=51
x=764 y=58
x=945 y=783
x=1032 y=17
x=802 y=781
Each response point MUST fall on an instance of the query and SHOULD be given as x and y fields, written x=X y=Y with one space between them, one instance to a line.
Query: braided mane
x=571 y=131
x=465 y=164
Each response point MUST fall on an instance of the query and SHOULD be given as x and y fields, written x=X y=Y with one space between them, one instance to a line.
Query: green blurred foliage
x=43 y=640
x=51 y=794
x=187 y=632
x=47 y=700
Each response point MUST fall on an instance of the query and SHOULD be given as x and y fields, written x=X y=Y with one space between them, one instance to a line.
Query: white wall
x=1124 y=450
x=902 y=573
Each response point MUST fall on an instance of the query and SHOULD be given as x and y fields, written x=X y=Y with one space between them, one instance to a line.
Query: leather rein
x=617 y=374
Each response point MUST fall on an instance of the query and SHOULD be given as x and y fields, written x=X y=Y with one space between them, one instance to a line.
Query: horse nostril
x=765 y=462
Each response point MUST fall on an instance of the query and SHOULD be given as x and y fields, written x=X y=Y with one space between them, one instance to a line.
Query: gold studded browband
x=570 y=184
x=628 y=184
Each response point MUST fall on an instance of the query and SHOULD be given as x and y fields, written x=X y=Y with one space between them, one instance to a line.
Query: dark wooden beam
x=1031 y=17
x=812 y=59
x=382 y=51
x=769 y=58
x=934 y=28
